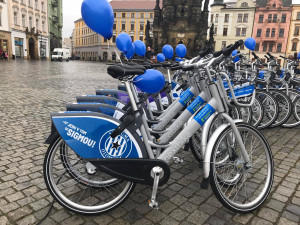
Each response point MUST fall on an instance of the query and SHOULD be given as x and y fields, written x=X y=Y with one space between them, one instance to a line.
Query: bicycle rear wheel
x=294 y=120
x=239 y=187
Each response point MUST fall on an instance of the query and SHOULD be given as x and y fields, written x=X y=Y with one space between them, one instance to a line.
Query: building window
x=256 y=47
x=114 y=38
x=142 y=15
x=275 y=18
x=212 y=18
x=217 y=18
x=132 y=26
x=226 y=20
x=115 y=26
x=141 y=27
x=244 y=4
x=294 y=46
x=132 y=15
x=273 y=32
x=115 y=15
x=269 y=18
x=279 y=46
x=223 y=44
x=15 y=18
x=23 y=20
x=281 y=32
x=36 y=4
x=151 y=15
x=265 y=47
x=132 y=38
x=43 y=5
x=271 y=47
x=30 y=22
x=283 y=18
x=268 y=32
x=216 y=29
x=244 y=31
x=274 y=5
x=123 y=26
x=123 y=15
x=297 y=28
x=238 y=32
x=258 y=33
x=43 y=26
x=298 y=15
x=245 y=18
x=141 y=38
x=37 y=24
x=225 y=30
x=240 y=18
x=29 y=2
x=261 y=19
x=105 y=40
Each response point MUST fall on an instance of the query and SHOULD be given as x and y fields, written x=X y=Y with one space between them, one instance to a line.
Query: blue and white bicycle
x=94 y=160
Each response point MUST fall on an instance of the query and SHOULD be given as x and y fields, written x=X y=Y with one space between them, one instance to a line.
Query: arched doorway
x=31 y=48
x=104 y=56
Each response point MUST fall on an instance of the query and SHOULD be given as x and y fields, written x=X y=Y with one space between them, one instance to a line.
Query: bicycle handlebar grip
x=176 y=67
x=228 y=51
x=217 y=54
x=269 y=54
x=205 y=52
x=255 y=56
x=188 y=68
x=282 y=57
x=267 y=57
x=182 y=86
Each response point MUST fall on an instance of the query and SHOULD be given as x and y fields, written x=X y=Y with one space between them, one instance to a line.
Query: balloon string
x=117 y=53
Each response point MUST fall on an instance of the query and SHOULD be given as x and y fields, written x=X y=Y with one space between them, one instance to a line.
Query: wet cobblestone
x=30 y=91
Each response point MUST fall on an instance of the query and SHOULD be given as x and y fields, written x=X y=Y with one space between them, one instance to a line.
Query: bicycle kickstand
x=157 y=172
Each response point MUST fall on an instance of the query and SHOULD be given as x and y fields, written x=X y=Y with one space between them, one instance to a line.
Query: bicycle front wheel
x=78 y=189
x=239 y=186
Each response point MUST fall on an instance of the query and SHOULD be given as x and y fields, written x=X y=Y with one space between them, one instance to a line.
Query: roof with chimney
x=133 y=4
x=263 y=3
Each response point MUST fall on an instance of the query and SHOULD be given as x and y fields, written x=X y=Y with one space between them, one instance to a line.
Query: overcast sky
x=72 y=12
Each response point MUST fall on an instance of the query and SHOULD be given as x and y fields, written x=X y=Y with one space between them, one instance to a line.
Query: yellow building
x=294 y=32
x=130 y=17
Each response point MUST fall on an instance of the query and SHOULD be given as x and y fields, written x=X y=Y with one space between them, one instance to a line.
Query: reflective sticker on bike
x=120 y=105
x=195 y=105
x=186 y=97
x=165 y=101
x=204 y=114
x=118 y=114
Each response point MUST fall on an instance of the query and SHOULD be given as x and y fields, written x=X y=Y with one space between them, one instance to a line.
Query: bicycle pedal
x=186 y=147
x=177 y=160
x=205 y=183
x=90 y=168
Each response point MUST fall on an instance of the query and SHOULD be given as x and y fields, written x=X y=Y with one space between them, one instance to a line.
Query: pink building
x=271 y=27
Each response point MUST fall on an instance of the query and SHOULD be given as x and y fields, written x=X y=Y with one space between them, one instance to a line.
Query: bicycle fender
x=88 y=135
x=211 y=144
x=101 y=99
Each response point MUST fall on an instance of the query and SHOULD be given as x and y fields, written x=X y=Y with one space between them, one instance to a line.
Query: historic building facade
x=5 y=34
x=29 y=29
x=271 y=27
x=181 y=21
x=55 y=23
x=294 y=32
x=232 y=21
x=130 y=17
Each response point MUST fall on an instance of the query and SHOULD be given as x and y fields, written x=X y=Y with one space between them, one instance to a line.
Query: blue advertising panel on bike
x=195 y=105
x=204 y=114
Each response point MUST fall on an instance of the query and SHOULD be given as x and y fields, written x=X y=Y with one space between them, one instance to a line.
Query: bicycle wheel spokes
x=241 y=187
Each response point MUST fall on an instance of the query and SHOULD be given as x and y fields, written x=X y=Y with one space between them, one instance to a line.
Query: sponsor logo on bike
x=119 y=147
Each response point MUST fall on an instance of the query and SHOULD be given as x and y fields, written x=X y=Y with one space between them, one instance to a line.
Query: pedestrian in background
x=5 y=56
x=1 y=53
x=149 y=53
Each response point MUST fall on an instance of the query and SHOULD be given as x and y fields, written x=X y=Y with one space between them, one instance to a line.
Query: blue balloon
x=180 y=50
x=178 y=59
x=299 y=55
x=168 y=51
x=234 y=53
x=140 y=48
x=151 y=82
x=99 y=16
x=250 y=43
x=161 y=57
x=124 y=42
x=130 y=53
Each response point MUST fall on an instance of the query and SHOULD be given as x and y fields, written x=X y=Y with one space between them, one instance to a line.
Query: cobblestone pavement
x=29 y=91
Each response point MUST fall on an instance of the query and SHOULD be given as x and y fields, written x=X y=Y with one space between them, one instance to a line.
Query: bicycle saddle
x=119 y=72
